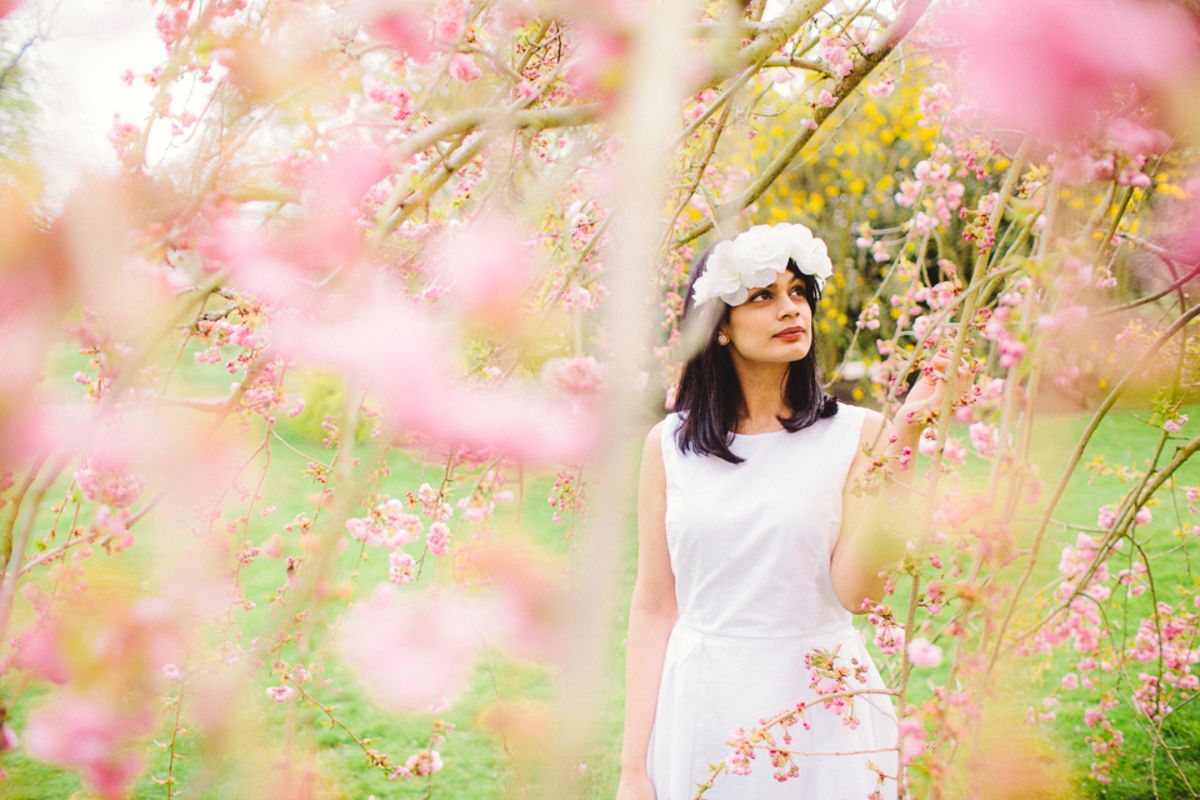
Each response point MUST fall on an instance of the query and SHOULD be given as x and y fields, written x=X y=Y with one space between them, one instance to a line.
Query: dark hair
x=709 y=396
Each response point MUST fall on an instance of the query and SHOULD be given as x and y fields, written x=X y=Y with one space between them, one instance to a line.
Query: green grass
x=476 y=767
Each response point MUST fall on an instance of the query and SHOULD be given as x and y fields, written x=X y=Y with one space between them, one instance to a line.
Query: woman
x=747 y=575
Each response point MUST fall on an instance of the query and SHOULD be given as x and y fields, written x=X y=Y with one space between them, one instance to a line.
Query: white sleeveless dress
x=750 y=546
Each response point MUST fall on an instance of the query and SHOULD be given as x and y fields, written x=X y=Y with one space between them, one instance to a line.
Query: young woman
x=745 y=566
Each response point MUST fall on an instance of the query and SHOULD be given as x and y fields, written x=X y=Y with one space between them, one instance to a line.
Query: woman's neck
x=762 y=395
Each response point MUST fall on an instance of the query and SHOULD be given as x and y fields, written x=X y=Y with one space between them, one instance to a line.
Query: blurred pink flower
x=373 y=333
x=912 y=739
x=419 y=765
x=984 y=438
x=283 y=264
x=281 y=694
x=1107 y=517
x=438 y=539
x=463 y=68
x=450 y=21
x=923 y=653
x=39 y=651
x=106 y=483
x=487 y=265
x=407 y=29
x=597 y=55
x=92 y=737
x=1049 y=67
x=410 y=649
x=400 y=567
x=1132 y=138
x=581 y=375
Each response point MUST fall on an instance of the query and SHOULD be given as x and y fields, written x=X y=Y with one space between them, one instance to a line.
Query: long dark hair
x=709 y=396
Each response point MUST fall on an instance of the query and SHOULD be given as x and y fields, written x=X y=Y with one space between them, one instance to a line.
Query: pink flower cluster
x=421 y=764
x=567 y=495
x=388 y=525
x=397 y=97
x=889 y=635
x=828 y=677
x=931 y=184
x=93 y=737
x=104 y=482
x=1168 y=638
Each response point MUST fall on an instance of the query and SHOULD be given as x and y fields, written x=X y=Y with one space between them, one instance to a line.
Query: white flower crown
x=751 y=260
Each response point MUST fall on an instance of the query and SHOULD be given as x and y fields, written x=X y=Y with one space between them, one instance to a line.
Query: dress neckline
x=756 y=435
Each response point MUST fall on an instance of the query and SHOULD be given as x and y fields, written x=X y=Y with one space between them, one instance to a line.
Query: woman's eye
x=798 y=290
x=761 y=295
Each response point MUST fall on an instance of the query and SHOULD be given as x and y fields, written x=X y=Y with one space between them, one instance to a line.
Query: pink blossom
x=103 y=481
x=400 y=567
x=933 y=102
x=40 y=651
x=419 y=765
x=449 y=21
x=92 y=737
x=884 y=86
x=399 y=98
x=1175 y=424
x=1070 y=681
x=112 y=528
x=912 y=739
x=597 y=52
x=438 y=539
x=488 y=266
x=281 y=694
x=407 y=30
x=889 y=639
x=410 y=649
x=463 y=68
x=1107 y=517
x=1073 y=55
x=923 y=653
x=581 y=375
x=1132 y=138
x=984 y=438
x=1011 y=352
x=1142 y=516
x=826 y=98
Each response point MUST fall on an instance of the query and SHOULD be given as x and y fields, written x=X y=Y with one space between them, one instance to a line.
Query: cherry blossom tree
x=355 y=235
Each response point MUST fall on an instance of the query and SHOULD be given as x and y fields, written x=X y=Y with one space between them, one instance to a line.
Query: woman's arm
x=873 y=530
x=875 y=525
x=652 y=611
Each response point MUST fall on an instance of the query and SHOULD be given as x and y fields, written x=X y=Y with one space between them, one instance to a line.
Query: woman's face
x=774 y=324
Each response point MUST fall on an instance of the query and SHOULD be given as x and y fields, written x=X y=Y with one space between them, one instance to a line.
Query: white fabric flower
x=761 y=254
x=721 y=277
x=754 y=257
x=809 y=252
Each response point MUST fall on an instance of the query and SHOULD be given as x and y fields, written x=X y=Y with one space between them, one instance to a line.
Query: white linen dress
x=750 y=546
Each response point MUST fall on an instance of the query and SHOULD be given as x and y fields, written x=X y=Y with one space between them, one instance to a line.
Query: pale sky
x=75 y=70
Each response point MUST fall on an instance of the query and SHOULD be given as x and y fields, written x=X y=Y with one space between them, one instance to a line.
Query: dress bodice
x=750 y=543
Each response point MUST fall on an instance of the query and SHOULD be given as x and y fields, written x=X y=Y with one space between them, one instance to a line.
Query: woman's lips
x=790 y=334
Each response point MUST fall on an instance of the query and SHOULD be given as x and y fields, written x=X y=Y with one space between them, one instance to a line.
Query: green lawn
x=476 y=767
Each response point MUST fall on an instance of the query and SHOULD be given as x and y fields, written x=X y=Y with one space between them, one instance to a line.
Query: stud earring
x=722 y=339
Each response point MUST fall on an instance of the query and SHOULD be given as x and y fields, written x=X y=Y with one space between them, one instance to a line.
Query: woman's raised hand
x=927 y=394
